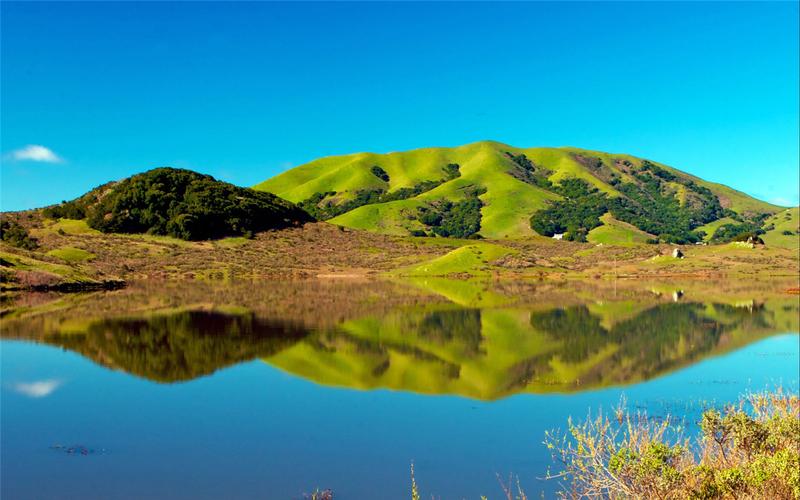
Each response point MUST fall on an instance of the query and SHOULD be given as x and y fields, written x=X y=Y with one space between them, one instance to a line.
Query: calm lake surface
x=271 y=390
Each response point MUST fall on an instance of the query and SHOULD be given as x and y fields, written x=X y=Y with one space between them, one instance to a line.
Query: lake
x=270 y=390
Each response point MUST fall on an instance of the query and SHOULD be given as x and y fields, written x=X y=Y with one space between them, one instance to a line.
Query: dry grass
x=326 y=249
x=750 y=450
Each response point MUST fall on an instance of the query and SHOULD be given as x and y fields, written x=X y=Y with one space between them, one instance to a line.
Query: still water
x=273 y=390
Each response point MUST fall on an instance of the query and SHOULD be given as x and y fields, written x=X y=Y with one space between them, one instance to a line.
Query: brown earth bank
x=71 y=256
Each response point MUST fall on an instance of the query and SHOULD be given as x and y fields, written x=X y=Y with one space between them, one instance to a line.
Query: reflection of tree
x=653 y=342
x=459 y=325
x=375 y=354
x=495 y=352
x=433 y=348
x=179 y=346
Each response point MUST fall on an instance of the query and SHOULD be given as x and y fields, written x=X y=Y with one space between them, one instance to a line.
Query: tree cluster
x=527 y=171
x=648 y=203
x=14 y=234
x=380 y=173
x=182 y=204
x=574 y=216
x=461 y=219
x=321 y=209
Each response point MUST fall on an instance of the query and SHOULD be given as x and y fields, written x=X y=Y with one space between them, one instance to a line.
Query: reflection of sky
x=37 y=388
x=253 y=431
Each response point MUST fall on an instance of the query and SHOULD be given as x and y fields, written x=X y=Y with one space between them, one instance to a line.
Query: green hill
x=179 y=203
x=492 y=190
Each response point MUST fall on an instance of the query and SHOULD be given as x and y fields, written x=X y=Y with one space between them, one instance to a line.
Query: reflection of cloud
x=38 y=388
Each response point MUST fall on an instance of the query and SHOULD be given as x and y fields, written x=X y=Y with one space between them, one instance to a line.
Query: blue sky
x=244 y=91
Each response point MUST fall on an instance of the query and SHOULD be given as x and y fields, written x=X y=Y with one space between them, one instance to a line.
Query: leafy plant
x=16 y=235
x=379 y=173
x=575 y=216
x=461 y=219
x=749 y=450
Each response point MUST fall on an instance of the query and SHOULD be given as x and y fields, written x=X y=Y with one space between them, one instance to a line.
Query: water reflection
x=476 y=339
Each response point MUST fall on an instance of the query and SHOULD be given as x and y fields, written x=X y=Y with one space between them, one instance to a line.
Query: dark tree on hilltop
x=182 y=204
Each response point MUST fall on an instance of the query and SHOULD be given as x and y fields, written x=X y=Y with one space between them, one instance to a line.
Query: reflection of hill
x=177 y=346
x=492 y=353
x=497 y=339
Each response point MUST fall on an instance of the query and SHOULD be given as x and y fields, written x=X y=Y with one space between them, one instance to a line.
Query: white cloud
x=35 y=152
x=784 y=202
x=38 y=388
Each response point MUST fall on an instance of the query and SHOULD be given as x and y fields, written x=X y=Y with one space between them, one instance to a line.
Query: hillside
x=492 y=190
x=179 y=203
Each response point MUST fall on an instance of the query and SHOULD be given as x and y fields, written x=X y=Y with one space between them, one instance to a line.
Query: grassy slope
x=786 y=220
x=71 y=254
x=729 y=197
x=474 y=259
x=48 y=273
x=509 y=202
x=614 y=232
x=713 y=226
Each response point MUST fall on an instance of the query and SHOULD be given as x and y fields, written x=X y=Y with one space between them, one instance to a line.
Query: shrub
x=379 y=173
x=461 y=219
x=66 y=210
x=452 y=171
x=736 y=232
x=749 y=450
x=578 y=214
x=16 y=235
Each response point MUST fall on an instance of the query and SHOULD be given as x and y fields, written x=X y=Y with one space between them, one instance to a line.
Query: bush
x=16 y=235
x=66 y=210
x=461 y=219
x=578 y=214
x=786 y=232
x=737 y=232
x=452 y=171
x=749 y=450
x=379 y=173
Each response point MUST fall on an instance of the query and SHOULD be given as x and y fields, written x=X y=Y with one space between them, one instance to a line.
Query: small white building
x=558 y=236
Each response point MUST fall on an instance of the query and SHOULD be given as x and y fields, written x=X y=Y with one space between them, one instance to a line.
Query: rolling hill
x=179 y=203
x=493 y=190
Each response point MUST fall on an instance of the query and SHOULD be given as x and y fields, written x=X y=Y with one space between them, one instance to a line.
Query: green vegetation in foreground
x=388 y=193
x=748 y=450
x=179 y=203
